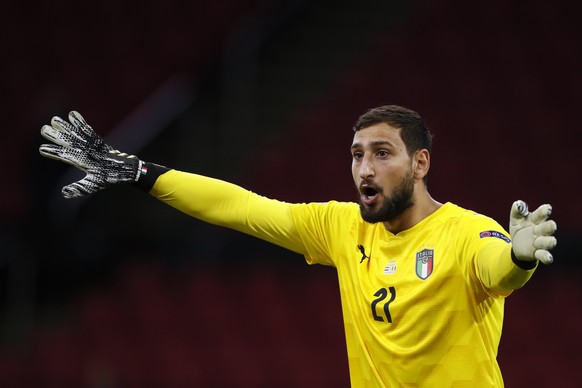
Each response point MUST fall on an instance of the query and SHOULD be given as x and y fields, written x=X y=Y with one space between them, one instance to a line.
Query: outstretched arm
x=225 y=204
x=532 y=237
x=210 y=200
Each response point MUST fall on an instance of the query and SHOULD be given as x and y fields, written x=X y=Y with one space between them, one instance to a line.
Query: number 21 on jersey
x=381 y=305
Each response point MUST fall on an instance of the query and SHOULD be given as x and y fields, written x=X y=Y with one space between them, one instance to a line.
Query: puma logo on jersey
x=363 y=251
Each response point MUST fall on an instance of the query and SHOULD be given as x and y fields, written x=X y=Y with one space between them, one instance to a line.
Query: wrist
x=147 y=174
x=523 y=264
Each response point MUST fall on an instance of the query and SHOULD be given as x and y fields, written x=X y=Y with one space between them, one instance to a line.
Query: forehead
x=378 y=133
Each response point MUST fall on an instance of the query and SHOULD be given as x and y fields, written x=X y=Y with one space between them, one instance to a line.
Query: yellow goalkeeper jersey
x=422 y=308
x=416 y=312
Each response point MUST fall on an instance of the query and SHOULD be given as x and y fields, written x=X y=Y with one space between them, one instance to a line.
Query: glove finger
x=519 y=211
x=80 y=188
x=88 y=133
x=542 y=213
x=79 y=122
x=71 y=156
x=61 y=125
x=57 y=152
x=57 y=135
x=546 y=228
x=51 y=151
x=544 y=256
x=545 y=242
x=72 y=191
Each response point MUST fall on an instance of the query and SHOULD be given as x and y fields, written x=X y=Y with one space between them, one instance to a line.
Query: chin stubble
x=393 y=206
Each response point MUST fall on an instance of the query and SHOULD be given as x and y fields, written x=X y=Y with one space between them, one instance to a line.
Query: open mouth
x=369 y=194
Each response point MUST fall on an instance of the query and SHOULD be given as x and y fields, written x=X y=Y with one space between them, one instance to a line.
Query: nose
x=366 y=169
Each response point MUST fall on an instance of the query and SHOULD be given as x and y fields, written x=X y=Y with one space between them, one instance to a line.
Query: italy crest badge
x=424 y=263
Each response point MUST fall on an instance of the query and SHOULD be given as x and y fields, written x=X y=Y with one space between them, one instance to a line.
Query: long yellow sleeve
x=225 y=204
x=498 y=272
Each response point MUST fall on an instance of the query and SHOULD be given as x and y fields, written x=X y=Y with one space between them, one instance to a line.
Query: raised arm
x=532 y=237
x=225 y=204
x=211 y=200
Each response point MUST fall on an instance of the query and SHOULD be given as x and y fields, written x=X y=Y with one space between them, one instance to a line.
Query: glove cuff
x=147 y=174
x=523 y=264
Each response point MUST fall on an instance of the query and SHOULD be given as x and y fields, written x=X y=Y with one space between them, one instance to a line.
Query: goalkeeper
x=422 y=283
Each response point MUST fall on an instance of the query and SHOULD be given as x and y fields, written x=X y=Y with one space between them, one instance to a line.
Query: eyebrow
x=376 y=143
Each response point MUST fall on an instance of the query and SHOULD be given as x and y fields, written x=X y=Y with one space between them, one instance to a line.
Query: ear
x=420 y=164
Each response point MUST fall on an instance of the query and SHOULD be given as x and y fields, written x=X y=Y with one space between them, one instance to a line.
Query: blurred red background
x=264 y=94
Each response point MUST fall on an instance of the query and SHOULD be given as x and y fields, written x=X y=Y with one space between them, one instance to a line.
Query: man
x=422 y=283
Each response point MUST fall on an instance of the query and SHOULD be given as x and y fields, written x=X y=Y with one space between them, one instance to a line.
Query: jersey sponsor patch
x=496 y=234
x=424 y=263
x=390 y=268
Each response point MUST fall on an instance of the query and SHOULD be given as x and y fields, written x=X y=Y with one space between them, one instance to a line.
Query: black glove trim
x=526 y=265
x=147 y=175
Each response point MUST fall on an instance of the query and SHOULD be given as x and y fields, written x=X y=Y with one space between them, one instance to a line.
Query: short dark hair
x=413 y=130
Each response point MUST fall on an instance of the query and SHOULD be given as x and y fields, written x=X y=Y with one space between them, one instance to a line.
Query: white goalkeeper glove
x=532 y=234
x=76 y=143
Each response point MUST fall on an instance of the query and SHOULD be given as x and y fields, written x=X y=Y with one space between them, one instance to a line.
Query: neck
x=423 y=206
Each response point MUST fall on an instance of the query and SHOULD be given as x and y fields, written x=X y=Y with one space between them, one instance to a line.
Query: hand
x=76 y=143
x=532 y=234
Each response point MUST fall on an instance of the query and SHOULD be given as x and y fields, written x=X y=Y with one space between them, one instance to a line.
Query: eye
x=356 y=155
x=383 y=153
